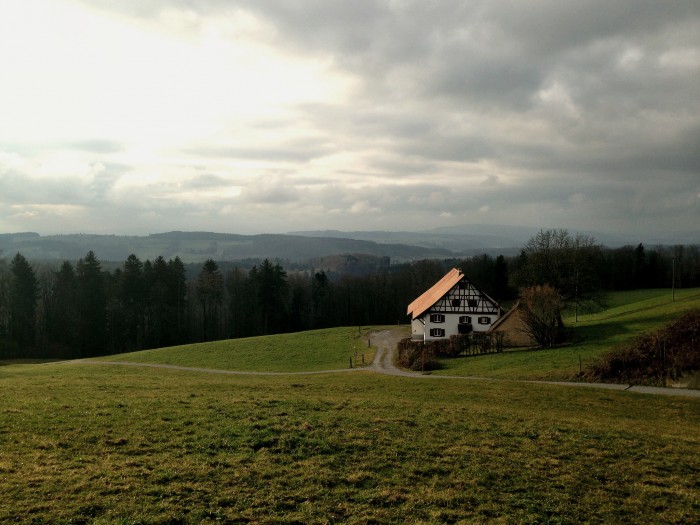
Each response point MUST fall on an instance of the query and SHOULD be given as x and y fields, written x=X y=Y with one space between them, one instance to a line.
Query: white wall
x=451 y=324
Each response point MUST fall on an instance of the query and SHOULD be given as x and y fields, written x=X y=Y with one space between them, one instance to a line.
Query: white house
x=451 y=306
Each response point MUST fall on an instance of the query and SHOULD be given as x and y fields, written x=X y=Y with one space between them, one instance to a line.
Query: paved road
x=383 y=363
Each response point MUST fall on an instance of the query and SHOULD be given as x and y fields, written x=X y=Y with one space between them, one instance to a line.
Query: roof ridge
x=434 y=293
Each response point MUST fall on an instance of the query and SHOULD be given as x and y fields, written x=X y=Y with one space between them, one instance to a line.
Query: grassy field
x=129 y=445
x=125 y=445
x=629 y=314
x=311 y=351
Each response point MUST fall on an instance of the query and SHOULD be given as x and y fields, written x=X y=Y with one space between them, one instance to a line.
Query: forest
x=81 y=309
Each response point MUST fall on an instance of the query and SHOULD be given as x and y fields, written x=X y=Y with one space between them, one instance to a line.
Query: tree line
x=82 y=309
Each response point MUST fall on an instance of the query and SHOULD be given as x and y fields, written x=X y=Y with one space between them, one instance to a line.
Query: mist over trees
x=83 y=309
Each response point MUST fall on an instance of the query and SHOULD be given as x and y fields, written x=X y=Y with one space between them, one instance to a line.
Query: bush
x=653 y=359
x=411 y=355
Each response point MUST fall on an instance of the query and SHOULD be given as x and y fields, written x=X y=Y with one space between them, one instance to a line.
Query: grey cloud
x=577 y=98
x=18 y=189
x=296 y=151
x=273 y=190
x=207 y=180
x=96 y=146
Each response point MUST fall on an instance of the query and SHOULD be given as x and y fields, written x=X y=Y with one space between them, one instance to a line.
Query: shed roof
x=434 y=293
x=505 y=317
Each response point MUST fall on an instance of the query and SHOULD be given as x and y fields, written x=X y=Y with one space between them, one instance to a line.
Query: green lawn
x=628 y=315
x=125 y=445
x=131 y=445
x=306 y=351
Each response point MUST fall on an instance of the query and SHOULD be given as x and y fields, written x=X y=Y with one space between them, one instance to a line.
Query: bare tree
x=541 y=313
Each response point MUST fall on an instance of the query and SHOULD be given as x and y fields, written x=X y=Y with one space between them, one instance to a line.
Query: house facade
x=451 y=306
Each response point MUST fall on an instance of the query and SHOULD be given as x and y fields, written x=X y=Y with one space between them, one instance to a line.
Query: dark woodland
x=84 y=309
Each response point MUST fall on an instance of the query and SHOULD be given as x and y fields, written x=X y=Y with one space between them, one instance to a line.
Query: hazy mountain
x=192 y=247
x=198 y=246
x=470 y=239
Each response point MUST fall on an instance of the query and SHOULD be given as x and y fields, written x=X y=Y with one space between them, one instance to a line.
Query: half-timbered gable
x=452 y=306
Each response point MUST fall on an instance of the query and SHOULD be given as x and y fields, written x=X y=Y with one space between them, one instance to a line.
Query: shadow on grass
x=621 y=328
x=8 y=362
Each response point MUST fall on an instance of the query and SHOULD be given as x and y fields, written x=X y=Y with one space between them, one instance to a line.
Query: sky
x=247 y=116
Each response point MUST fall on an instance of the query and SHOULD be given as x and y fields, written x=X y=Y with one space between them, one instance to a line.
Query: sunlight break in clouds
x=74 y=75
x=249 y=117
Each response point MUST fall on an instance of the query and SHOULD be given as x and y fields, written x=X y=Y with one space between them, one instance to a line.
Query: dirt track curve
x=385 y=341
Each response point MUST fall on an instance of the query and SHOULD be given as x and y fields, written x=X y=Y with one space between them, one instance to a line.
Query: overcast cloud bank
x=248 y=117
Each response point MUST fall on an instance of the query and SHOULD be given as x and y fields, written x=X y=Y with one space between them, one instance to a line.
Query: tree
x=239 y=301
x=541 y=307
x=210 y=292
x=5 y=278
x=91 y=306
x=61 y=309
x=133 y=302
x=161 y=303
x=567 y=264
x=24 y=292
x=270 y=283
x=501 y=288
x=320 y=300
x=177 y=292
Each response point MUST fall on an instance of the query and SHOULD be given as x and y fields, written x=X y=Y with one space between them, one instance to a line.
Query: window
x=456 y=303
x=465 y=319
x=437 y=332
x=437 y=318
x=484 y=320
x=464 y=329
x=472 y=303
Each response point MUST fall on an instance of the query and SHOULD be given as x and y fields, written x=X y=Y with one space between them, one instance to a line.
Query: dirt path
x=383 y=363
x=215 y=370
x=386 y=341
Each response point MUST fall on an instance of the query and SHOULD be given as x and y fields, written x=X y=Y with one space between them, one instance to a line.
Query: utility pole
x=576 y=302
x=673 y=280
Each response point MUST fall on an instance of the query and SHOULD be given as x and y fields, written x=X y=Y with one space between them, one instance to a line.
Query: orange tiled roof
x=434 y=293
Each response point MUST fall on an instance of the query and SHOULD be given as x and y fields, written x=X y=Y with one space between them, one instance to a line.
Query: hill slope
x=666 y=355
x=199 y=246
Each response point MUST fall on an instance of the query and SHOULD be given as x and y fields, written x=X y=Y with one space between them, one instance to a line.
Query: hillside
x=106 y=444
x=669 y=355
x=194 y=247
x=629 y=315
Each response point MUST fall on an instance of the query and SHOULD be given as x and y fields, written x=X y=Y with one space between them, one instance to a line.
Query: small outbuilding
x=512 y=326
x=452 y=306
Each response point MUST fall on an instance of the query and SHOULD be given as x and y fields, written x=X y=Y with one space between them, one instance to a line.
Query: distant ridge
x=194 y=247
x=471 y=239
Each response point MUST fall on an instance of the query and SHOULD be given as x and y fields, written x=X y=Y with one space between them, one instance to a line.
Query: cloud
x=206 y=181
x=372 y=113
x=269 y=190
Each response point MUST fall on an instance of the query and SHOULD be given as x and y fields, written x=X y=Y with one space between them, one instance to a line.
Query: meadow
x=312 y=351
x=627 y=315
x=112 y=444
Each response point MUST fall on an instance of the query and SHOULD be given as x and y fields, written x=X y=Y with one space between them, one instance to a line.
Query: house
x=451 y=306
x=513 y=328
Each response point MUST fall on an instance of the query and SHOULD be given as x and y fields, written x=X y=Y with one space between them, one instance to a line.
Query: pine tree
x=61 y=309
x=210 y=292
x=91 y=306
x=24 y=293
